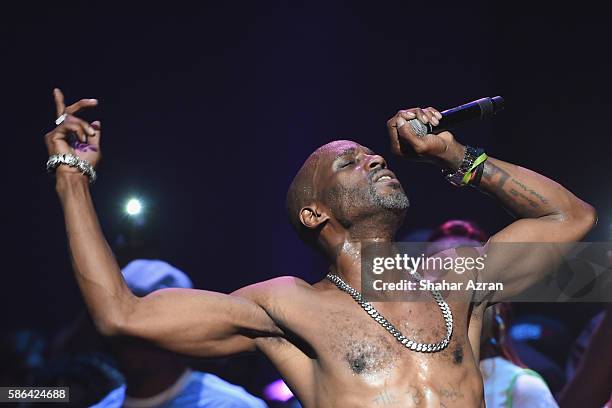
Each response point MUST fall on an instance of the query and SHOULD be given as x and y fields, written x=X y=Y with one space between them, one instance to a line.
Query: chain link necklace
x=410 y=344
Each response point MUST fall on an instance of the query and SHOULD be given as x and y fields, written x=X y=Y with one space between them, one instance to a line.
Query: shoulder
x=284 y=282
x=530 y=390
x=279 y=297
x=529 y=381
x=277 y=287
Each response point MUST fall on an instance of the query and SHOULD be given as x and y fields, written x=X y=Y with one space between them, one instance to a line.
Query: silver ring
x=61 y=119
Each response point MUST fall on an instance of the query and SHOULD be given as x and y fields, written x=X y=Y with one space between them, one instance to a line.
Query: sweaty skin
x=328 y=350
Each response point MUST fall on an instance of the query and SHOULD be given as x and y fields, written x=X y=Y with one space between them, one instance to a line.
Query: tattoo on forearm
x=530 y=191
x=517 y=199
x=491 y=171
x=523 y=196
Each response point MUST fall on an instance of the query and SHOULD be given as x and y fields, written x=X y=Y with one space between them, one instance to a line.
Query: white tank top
x=507 y=385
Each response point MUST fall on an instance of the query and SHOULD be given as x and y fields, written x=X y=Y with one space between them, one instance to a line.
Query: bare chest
x=354 y=344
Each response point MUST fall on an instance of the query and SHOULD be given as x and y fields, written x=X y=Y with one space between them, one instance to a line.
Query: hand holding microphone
x=454 y=117
x=411 y=141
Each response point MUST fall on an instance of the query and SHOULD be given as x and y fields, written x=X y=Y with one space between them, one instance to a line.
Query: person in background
x=21 y=353
x=507 y=381
x=158 y=378
x=589 y=367
x=89 y=377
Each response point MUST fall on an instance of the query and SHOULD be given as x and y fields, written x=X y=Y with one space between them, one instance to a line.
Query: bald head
x=339 y=180
x=302 y=191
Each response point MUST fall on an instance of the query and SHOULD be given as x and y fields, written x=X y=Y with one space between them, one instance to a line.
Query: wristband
x=479 y=160
x=467 y=164
x=477 y=176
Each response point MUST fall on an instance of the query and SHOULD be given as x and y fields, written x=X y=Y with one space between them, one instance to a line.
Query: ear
x=312 y=217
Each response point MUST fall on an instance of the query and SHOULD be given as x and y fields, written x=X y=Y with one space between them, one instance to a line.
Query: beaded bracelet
x=460 y=176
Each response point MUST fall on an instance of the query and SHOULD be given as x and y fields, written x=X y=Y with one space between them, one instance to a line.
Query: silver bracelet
x=55 y=160
x=469 y=157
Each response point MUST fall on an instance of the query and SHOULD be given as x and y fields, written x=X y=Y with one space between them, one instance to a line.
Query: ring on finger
x=60 y=119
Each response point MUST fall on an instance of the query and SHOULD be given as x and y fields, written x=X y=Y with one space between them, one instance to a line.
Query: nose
x=376 y=161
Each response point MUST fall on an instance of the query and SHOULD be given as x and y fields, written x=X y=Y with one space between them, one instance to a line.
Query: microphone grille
x=419 y=128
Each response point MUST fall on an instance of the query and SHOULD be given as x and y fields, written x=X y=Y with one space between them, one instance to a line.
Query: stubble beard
x=398 y=200
x=371 y=204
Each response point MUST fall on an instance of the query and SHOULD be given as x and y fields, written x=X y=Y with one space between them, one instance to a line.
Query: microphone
x=454 y=117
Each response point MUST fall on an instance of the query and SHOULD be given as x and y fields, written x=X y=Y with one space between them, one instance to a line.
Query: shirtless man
x=330 y=352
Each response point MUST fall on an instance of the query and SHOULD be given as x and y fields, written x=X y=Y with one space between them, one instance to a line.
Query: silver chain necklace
x=410 y=344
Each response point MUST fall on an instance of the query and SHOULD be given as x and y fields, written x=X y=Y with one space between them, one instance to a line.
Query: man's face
x=354 y=182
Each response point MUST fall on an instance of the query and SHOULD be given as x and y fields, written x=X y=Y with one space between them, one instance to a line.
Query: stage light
x=278 y=391
x=133 y=207
x=526 y=332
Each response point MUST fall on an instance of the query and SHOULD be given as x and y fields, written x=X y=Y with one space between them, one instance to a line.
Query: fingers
x=81 y=128
x=60 y=106
x=400 y=118
x=422 y=115
x=404 y=117
x=399 y=134
x=82 y=104
x=392 y=129
x=407 y=143
x=59 y=102
x=72 y=124
x=434 y=115
x=97 y=127
x=435 y=112
x=85 y=129
x=428 y=115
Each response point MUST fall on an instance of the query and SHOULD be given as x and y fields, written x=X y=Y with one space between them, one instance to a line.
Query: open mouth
x=384 y=175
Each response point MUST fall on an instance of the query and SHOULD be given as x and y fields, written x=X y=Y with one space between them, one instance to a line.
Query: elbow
x=110 y=325
x=583 y=218
x=589 y=217
x=115 y=322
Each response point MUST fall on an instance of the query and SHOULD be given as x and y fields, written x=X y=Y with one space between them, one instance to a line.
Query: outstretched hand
x=406 y=143
x=74 y=135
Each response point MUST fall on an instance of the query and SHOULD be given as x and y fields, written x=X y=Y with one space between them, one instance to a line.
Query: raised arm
x=188 y=321
x=546 y=212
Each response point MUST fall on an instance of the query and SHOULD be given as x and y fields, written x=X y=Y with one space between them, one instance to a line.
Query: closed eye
x=346 y=164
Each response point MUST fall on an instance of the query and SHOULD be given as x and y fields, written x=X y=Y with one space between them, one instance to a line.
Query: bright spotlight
x=133 y=207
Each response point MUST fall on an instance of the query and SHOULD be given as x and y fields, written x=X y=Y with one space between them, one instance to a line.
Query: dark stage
x=209 y=111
